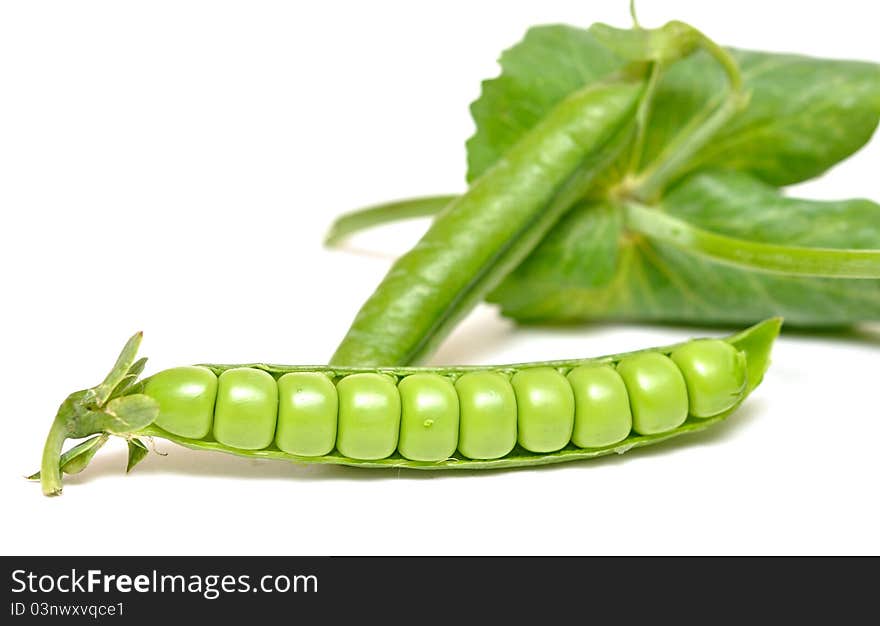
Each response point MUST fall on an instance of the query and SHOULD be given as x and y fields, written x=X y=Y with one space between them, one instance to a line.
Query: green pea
x=545 y=408
x=657 y=392
x=369 y=416
x=247 y=408
x=307 y=408
x=715 y=373
x=429 y=417
x=186 y=398
x=488 y=415
x=602 y=415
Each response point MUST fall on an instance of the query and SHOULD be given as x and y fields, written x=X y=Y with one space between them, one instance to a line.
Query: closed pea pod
x=484 y=234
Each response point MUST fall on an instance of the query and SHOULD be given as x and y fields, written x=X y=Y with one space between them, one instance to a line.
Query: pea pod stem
x=114 y=406
x=756 y=256
x=50 y=467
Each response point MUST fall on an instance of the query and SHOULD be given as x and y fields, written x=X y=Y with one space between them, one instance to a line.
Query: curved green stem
x=377 y=215
x=113 y=407
x=50 y=467
x=643 y=116
x=727 y=62
x=633 y=14
x=756 y=256
x=649 y=183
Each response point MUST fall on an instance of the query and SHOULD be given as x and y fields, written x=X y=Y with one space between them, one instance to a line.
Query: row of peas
x=427 y=416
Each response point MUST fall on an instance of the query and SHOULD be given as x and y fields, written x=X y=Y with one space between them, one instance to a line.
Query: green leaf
x=525 y=92
x=584 y=247
x=81 y=455
x=78 y=457
x=130 y=414
x=120 y=416
x=137 y=452
x=804 y=115
x=738 y=205
x=661 y=282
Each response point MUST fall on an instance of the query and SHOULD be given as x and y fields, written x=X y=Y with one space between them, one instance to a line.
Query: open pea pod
x=471 y=417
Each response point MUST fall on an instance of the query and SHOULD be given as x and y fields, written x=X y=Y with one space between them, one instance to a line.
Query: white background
x=172 y=167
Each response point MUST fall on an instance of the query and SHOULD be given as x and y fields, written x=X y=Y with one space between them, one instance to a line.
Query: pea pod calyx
x=109 y=408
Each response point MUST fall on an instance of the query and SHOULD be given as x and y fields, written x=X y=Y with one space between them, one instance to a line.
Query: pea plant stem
x=643 y=116
x=757 y=256
x=727 y=62
x=633 y=14
x=50 y=468
x=648 y=184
